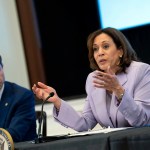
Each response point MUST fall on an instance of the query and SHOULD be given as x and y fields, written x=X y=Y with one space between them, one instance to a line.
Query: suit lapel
x=5 y=104
x=4 y=98
x=99 y=100
x=113 y=108
x=122 y=77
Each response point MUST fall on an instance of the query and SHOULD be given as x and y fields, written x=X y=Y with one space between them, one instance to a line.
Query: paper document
x=106 y=130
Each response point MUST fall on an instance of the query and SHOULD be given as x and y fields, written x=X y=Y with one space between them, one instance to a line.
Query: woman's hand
x=108 y=81
x=42 y=91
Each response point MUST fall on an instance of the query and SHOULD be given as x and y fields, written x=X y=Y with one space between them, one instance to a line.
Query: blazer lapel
x=122 y=77
x=99 y=101
x=114 y=109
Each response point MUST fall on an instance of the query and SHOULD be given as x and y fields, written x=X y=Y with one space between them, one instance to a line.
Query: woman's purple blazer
x=133 y=110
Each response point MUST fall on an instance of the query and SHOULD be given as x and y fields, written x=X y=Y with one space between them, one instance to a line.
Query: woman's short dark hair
x=120 y=41
x=1 y=61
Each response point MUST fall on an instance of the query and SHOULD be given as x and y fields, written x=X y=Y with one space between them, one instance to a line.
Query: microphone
x=39 y=139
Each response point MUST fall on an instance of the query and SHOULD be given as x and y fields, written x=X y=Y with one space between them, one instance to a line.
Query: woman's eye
x=106 y=46
x=95 y=48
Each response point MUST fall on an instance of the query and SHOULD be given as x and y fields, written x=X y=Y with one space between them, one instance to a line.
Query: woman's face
x=2 y=78
x=106 y=53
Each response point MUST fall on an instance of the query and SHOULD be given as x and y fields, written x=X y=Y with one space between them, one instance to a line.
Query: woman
x=118 y=89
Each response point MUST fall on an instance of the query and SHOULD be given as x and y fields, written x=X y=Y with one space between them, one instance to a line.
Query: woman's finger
x=42 y=85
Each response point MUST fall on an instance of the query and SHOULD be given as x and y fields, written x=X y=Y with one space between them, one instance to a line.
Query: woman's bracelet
x=120 y=96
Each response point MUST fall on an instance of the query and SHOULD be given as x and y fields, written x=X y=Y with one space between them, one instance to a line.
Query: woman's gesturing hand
x=42 y=91
x=108 y=81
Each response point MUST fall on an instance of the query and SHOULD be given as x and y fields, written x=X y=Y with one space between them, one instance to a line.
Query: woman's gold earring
x=119 y=60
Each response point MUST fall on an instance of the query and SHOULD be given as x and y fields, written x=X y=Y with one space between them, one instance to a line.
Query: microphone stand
x=39 y=139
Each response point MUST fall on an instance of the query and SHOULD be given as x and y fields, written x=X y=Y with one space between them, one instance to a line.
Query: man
x=17 y=110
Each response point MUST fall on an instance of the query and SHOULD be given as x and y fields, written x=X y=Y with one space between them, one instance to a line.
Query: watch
x=120 y=96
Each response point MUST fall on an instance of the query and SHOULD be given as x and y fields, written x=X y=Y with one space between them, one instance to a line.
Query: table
x=128 y=139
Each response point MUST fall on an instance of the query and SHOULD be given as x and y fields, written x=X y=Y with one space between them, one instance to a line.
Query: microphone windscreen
x=51 y=94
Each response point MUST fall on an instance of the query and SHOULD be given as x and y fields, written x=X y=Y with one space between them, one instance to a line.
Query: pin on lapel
x=6 y=104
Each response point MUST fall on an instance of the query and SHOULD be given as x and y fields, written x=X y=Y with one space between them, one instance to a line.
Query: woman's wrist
x=119 y=93
x=57 y=104
x=120 y=96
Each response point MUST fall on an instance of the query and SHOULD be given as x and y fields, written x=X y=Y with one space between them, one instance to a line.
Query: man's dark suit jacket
x=17 y=112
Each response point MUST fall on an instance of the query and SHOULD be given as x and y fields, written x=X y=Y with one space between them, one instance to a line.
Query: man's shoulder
x=15 y=86
x=18 y=92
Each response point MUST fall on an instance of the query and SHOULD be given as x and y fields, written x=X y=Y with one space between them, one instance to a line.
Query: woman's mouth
x=102 y=61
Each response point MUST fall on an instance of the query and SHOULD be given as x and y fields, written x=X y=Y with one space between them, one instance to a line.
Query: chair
x=44 y=123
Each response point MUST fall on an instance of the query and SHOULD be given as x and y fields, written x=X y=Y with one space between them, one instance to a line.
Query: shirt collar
x=1 y=91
